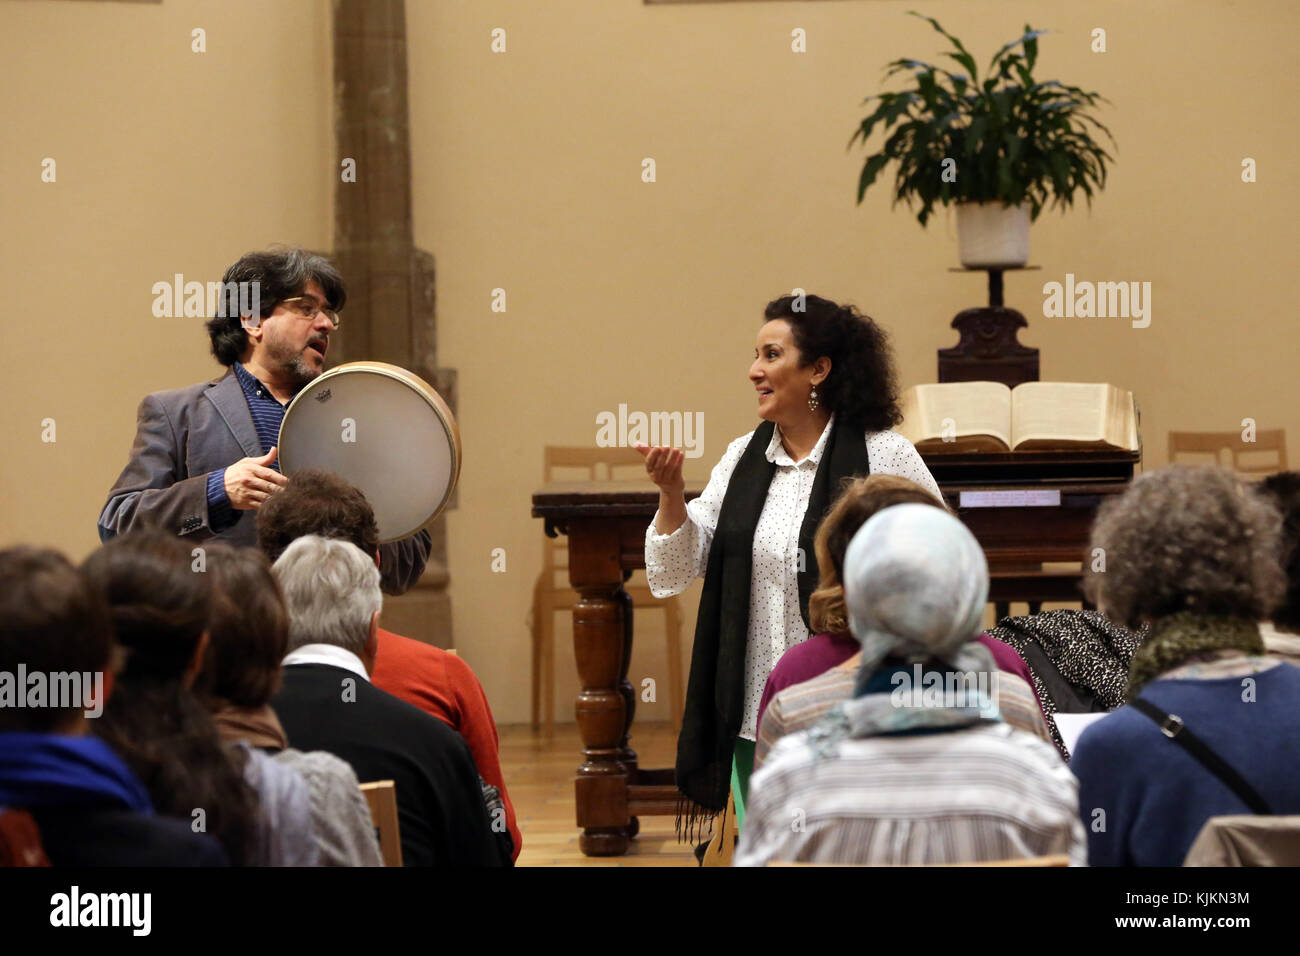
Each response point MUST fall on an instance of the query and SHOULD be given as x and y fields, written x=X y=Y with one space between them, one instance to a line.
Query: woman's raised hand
x=664 y=466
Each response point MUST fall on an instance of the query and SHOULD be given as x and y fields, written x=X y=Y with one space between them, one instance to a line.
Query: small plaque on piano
x=1011 y=498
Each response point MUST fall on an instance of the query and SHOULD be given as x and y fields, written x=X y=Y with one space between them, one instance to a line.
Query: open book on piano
x=974 y=417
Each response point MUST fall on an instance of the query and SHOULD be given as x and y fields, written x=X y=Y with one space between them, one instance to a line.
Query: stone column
x=390 y=312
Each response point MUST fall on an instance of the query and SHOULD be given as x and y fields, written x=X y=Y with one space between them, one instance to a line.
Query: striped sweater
x=979 y=794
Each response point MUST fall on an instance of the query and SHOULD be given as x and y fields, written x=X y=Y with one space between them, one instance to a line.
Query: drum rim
x=439 y=405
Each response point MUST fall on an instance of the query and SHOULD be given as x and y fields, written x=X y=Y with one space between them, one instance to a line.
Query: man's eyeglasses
x=307 y=307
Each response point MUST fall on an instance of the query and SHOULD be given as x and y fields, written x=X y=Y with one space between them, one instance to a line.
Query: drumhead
x=384 y=430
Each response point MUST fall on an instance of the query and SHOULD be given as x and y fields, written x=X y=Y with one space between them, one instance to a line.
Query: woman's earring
x=812 y=400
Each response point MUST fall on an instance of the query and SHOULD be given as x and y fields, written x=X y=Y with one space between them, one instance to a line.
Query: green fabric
x=742 y=765
x=1179 y=637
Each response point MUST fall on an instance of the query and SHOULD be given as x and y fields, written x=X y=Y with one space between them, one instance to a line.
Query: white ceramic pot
x=991 y=234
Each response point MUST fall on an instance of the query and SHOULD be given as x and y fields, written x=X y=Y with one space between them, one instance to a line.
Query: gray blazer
x=183 y=434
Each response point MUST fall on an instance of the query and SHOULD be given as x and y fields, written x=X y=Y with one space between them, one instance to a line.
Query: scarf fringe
x=691 y=819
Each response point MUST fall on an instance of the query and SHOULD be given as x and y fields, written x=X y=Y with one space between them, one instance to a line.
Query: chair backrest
x=1247 y=840
x=1264 y=456
x=561 y=463
x=722 y=846
x=382 y=799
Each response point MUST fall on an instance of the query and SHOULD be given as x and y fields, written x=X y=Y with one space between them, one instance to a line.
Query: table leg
x=600 y=622
x=629 y=692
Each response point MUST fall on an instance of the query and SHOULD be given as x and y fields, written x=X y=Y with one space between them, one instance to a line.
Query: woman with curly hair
x=1211 y=724
x=828 y=399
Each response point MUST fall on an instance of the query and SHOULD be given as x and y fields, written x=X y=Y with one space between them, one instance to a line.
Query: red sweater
x=443 y=685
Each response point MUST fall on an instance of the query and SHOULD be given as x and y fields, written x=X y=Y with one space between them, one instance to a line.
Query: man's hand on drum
x=249 y=482
x=664 y=466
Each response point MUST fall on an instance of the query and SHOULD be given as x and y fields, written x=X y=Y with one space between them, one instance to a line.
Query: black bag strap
x=1171 y=725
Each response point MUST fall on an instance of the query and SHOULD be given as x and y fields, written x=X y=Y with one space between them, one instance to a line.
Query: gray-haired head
x=331 y=590
x=915 y=583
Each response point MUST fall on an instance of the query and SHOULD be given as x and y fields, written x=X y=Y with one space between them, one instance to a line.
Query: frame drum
x=382 y=429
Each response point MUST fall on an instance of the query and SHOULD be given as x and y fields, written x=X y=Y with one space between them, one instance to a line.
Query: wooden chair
x=1247 y=840
x=382 y=799
x=1194 y=447
x=721 y=850
x=551 y=592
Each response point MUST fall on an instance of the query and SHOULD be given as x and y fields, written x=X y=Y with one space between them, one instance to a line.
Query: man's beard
x=293 y=365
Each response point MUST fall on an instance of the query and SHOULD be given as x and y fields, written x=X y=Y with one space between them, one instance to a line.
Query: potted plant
x=1000 y=148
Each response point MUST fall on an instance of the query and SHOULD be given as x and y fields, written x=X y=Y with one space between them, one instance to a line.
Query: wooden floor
x=539 y=775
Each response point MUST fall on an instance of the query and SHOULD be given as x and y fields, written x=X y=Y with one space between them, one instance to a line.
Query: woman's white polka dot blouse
x=674 y=560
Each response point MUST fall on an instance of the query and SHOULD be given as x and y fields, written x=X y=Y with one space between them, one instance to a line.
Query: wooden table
x=606 y=523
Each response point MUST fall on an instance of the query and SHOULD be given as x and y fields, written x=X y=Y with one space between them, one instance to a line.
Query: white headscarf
x=915 y=585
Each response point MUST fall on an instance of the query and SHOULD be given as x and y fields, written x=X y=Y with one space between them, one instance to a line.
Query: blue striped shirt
x=267 y=414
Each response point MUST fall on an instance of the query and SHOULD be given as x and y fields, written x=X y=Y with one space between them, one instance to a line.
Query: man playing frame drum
x=204 y=456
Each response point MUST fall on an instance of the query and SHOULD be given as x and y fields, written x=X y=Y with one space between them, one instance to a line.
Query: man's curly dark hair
x=862 y=389
x=1186 y=538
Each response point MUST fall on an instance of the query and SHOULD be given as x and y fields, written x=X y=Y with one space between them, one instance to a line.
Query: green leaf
x=1029 y=35
x=869 y=173
x=1013 y=144
x=1031 y=50
x=961 y=55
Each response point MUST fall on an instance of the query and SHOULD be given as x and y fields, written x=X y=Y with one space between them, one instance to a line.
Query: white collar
x=330 y=654
x=776 y=450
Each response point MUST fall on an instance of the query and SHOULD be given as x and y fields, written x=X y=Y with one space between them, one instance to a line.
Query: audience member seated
x=907 y=774
x=326 y=702
x=160 y=600
x=813 y=676
x=439 y=683
x=1194 y=552
x=1282 y=633
x=248 y=638
x=1078 y=660
x=89 y=808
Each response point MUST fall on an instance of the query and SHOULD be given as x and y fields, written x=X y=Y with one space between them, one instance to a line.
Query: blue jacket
x=1143 y=798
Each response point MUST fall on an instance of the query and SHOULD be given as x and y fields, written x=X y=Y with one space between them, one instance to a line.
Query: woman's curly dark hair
x=1185 y=538
x=862 y=389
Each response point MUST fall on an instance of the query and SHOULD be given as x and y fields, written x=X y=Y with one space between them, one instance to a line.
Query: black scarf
x=715 y=693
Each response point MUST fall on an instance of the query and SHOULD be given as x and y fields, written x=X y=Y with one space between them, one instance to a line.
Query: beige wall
x=527 y=177
x=167 y=161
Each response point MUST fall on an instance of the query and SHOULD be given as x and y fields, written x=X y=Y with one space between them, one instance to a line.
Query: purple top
x=823 y=651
